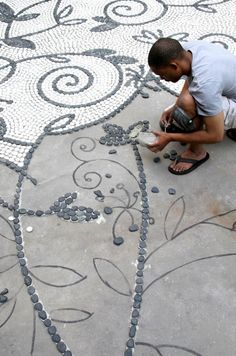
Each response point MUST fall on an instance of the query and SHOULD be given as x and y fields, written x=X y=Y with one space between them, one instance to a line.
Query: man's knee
x=187 y=103
x=182 y=120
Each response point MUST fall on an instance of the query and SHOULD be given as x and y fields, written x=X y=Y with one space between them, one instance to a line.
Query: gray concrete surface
x=86 y=283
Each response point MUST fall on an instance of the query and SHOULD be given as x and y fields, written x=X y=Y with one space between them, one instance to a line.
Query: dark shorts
x=182 y=121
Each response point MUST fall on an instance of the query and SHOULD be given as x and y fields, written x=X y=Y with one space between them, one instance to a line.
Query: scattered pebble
x=118 y=240
x=108 y=175
x=112 y=152
x=171 y=191
x=4 y=291
x=3 y=298
x=133 y=227
x=166 y=155
x=112 y=190
x=156 y=159
x=11 y=218
x=108 y=210
x=29 y=229
x=155 y=190
x=98 y=193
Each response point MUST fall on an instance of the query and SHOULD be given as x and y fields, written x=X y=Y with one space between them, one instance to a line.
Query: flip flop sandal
x=195 y=164
x=231 y=133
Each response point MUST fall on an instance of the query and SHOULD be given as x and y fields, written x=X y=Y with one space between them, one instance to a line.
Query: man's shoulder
x=196 y=44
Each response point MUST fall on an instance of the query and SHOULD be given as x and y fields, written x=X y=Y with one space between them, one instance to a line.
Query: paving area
x=103 y=251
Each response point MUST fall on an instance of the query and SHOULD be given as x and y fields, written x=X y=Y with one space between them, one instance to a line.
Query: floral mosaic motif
x=9 y=16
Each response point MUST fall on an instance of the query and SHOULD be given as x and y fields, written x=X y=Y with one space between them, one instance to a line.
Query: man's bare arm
x=213 y=132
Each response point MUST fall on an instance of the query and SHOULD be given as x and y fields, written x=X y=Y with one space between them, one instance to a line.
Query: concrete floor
x=87 y=284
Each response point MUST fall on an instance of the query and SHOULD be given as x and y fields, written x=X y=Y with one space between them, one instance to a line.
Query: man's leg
x=229 y=107
x=195 y=151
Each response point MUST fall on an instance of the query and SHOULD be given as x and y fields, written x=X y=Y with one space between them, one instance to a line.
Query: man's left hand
x=163 y=138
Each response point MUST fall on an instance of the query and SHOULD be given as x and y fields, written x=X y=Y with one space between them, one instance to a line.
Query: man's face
x=169 y=73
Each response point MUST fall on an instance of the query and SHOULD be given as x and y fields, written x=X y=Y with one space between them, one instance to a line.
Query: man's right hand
x=166 y=119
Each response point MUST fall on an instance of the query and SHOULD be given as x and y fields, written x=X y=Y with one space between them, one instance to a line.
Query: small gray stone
x=132 y=331
x=69 y=201
x=28 y=280
x=4 y=291
x=31 y=290
x=142 y=244
x=166 y=155
x=107 y=210
x=118 y=240
x=138 y=298
x=135 y=313
x=128 y=352
x=68 y=353
x=3 y=298
x=156 y=159
x=140 y=266
x=47 y=322
x=112 y=152
x=22 y=261
x=24 y=271
x=134 y=321
x=56 y=338
x=34 y=298
x=42 y=314
x=61 y=347
x=133 y=228
x=155 y=190
x=107 y=175
x=141 y=259
x=52 y=330
x=38 y=306
x=130 y=343
x=171 y=191
x=74 y=195
x=139 y=288
x=173 y=152
x=98 y=193
x=39 y=212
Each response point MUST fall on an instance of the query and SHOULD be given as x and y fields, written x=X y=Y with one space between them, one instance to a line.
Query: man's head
x=168 y=59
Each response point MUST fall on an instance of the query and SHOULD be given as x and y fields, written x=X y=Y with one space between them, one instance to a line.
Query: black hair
x=164 y=51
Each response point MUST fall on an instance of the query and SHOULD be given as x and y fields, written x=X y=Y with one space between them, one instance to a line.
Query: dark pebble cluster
x=61 y=208
x=116 y=135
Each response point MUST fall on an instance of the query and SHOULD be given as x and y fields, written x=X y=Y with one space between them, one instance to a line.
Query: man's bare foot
x=180 y=167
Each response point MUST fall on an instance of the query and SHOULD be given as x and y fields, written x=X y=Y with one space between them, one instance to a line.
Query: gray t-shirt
x=213 y=76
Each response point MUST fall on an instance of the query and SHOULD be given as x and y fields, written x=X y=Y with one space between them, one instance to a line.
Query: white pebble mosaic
x=90 y=62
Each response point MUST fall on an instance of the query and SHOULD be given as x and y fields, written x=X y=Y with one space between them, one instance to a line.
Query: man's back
x=213 y=76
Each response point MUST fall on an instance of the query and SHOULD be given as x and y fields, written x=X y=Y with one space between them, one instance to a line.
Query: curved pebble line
x=137 y=298
x=38 y=306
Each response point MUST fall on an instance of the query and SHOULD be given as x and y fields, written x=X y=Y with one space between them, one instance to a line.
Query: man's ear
x=173 y=65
